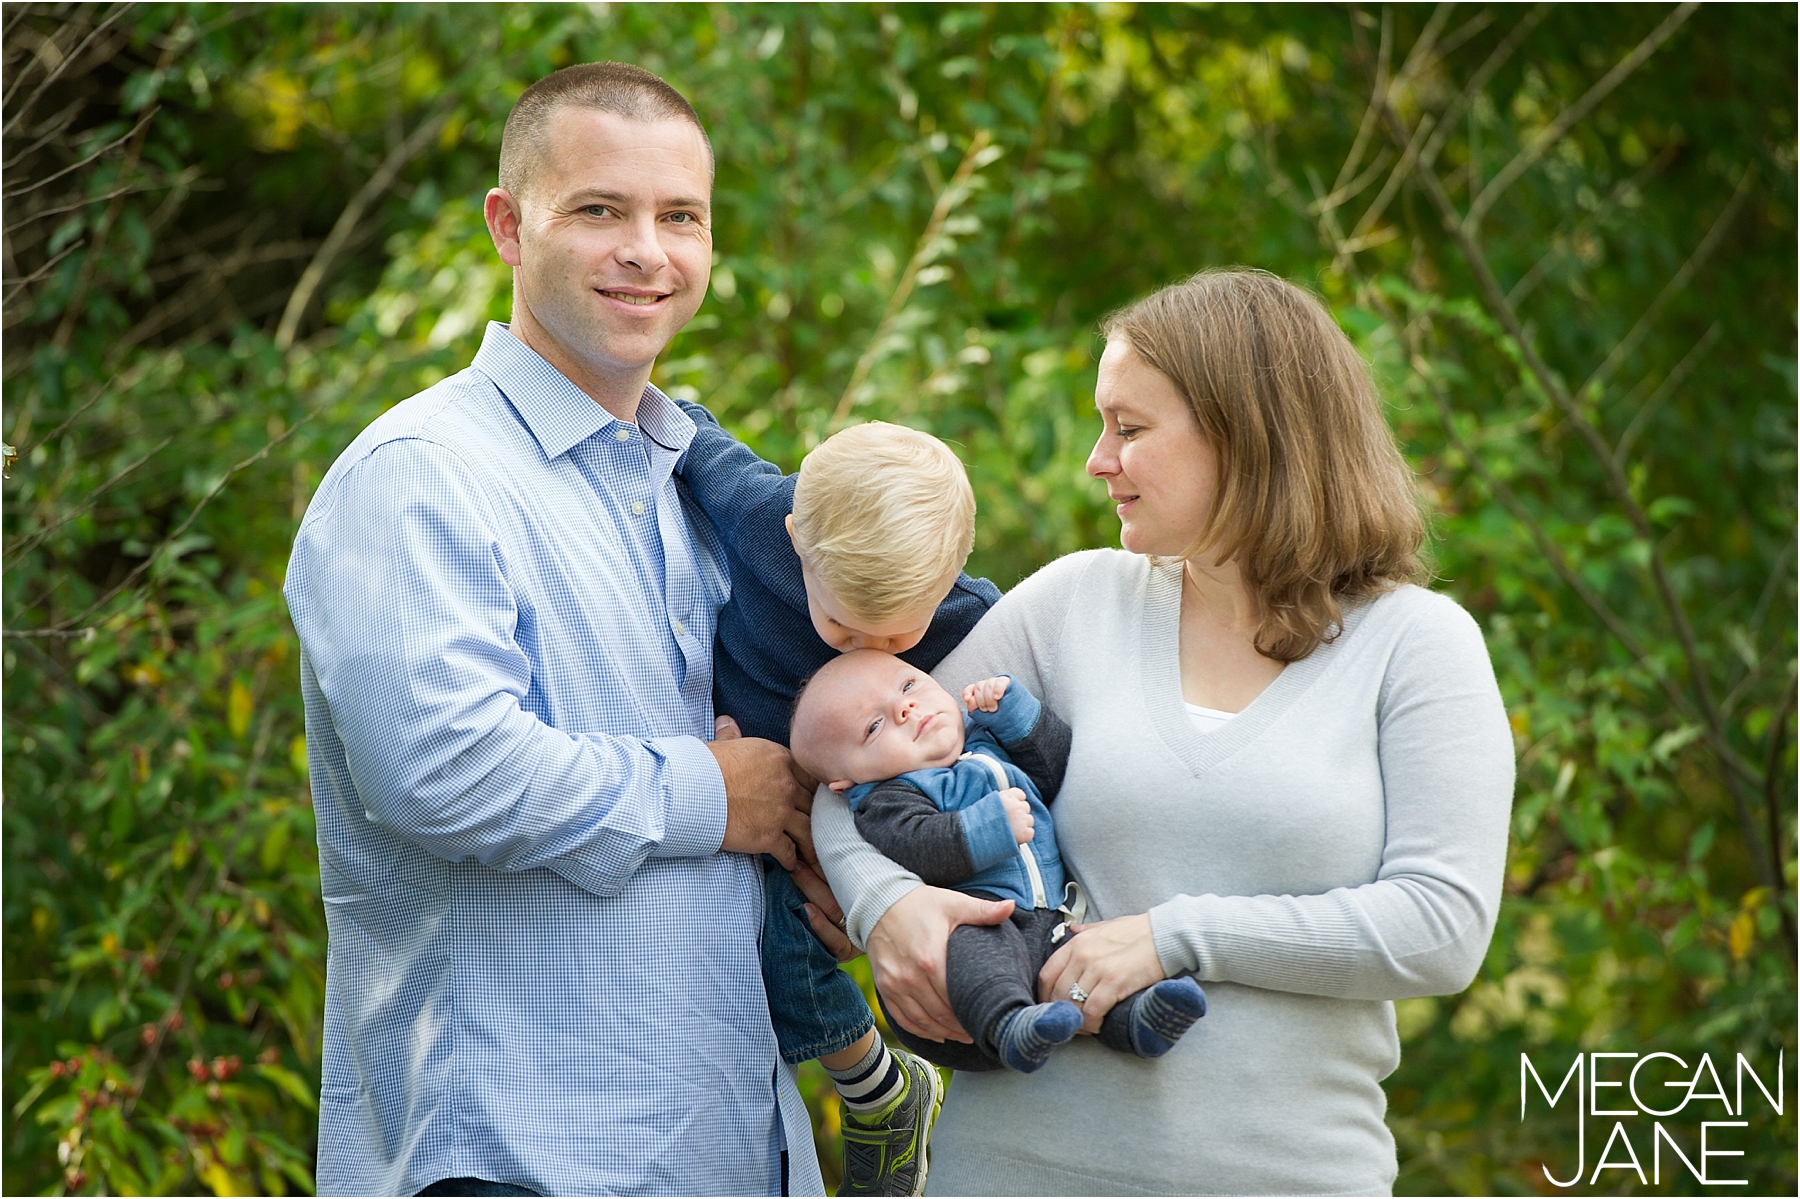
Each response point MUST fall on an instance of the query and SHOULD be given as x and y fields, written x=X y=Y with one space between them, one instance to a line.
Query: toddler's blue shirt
x=766 y=645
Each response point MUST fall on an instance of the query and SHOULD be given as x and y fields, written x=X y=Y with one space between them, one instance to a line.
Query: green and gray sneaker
x=884 y=1152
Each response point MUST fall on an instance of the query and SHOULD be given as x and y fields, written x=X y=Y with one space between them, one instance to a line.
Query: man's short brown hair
x=1315 y=503
x=616 y=87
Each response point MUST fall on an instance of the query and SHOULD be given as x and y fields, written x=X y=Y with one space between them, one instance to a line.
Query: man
x=543 y=974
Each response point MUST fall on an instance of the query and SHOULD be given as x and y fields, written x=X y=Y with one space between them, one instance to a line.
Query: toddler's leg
x=815 y=1007
x=991 y=983
x=890 y=1098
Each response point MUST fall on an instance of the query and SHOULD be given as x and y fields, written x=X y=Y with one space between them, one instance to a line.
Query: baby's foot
x=1027 y=1035
x=1160 y=1014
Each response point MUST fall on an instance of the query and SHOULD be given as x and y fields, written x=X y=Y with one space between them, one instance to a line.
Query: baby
x=962 y=801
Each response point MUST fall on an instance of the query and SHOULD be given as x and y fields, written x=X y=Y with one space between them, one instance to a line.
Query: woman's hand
x=906 y=956
x=1109 y=960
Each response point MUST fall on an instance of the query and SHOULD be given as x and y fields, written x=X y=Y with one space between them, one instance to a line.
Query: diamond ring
x=1077 y=993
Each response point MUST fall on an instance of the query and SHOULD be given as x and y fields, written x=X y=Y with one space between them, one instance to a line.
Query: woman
x=1290 y=778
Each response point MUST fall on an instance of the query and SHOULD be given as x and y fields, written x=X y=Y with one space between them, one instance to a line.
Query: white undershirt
x=1208 y=719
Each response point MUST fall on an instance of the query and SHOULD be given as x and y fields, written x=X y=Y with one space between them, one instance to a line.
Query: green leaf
x=295 y=1086
x=1670 y=508
x=107 y=1013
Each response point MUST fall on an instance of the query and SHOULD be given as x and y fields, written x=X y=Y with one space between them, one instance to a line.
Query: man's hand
x=824 y=913
x=985 y=694
x=1018 y=814
x=766 y=808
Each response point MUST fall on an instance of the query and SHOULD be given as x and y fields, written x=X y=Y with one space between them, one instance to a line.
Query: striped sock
x=872 y=1084
x=1026 y=1035
x=1160 y=1014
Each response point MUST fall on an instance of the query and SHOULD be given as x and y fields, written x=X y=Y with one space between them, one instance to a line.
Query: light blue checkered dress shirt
x=541 y=970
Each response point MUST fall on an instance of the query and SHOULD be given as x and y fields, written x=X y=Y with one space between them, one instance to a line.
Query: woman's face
x=1157 y=465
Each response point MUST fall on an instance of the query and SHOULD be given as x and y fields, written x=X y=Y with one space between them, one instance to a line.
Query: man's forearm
x=522 y=795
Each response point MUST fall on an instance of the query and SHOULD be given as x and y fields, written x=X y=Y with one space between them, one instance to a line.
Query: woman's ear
x=790 y=529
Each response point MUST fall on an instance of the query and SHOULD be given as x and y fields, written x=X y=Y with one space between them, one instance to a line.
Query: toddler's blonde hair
x=884 y=518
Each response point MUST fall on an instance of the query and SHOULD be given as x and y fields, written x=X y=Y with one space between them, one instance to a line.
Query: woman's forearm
x=1421 y=926
x=866 y=883
x=1394 y=939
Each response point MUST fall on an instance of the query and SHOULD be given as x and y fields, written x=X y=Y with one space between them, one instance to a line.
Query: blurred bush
x=234 y=235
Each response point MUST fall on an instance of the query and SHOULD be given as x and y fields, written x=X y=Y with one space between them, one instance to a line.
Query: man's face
x=614 y=238
x=869 y=716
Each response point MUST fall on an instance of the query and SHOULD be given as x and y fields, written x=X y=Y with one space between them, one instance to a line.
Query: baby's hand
x=1018 y=811
x=985 y=694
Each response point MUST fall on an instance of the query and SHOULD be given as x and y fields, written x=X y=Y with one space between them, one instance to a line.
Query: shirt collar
x=559 y=414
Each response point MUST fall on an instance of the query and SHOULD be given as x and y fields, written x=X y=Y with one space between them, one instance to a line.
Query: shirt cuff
x=1015 y=716
x=1175 y=930
x=867 y=911
x=987 y=833
x=695 y=825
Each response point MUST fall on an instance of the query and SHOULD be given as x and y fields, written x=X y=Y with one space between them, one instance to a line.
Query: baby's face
x=868 y=716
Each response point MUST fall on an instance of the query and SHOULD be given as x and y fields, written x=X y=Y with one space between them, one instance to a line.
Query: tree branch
x=1675 y=379
x=138 y=571
x=93 y=497
x=1479 y=80
x=1546 y=544
x=379 y=182
x=953 y=193
x=1681 y=278
x=1372 y=114
x=62 y=66
x=1559 y=241
x=25 y=189
x=1554 y=132
x=1717 y=736
x=1772 y=775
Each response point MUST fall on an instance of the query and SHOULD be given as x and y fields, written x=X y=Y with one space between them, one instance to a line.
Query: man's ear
x=503 y=218
x=841 y=786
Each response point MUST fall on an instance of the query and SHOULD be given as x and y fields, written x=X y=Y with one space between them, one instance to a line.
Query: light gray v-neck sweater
x=1336 y=846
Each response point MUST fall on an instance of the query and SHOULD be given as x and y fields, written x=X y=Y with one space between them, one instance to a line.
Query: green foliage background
x=234 y=235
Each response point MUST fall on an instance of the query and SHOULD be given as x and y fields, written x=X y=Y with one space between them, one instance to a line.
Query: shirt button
x=637 y=508
x=621 y=434
x=681 y=628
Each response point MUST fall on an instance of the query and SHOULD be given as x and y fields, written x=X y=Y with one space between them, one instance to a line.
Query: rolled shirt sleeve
x=413 y=628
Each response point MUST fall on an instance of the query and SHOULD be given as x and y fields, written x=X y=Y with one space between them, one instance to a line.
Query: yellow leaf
x=181 y=850
x=1742 y=934
x=297 y=756
x=222 y=1183
x=238 y=707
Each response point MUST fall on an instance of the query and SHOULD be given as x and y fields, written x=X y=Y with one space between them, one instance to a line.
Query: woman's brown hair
x=1315 y=503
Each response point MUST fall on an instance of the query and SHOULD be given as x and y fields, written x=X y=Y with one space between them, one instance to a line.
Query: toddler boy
x=863 y=549
x=962 y=801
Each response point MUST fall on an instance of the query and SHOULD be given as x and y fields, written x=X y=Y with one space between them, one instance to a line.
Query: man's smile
x=640 y=298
